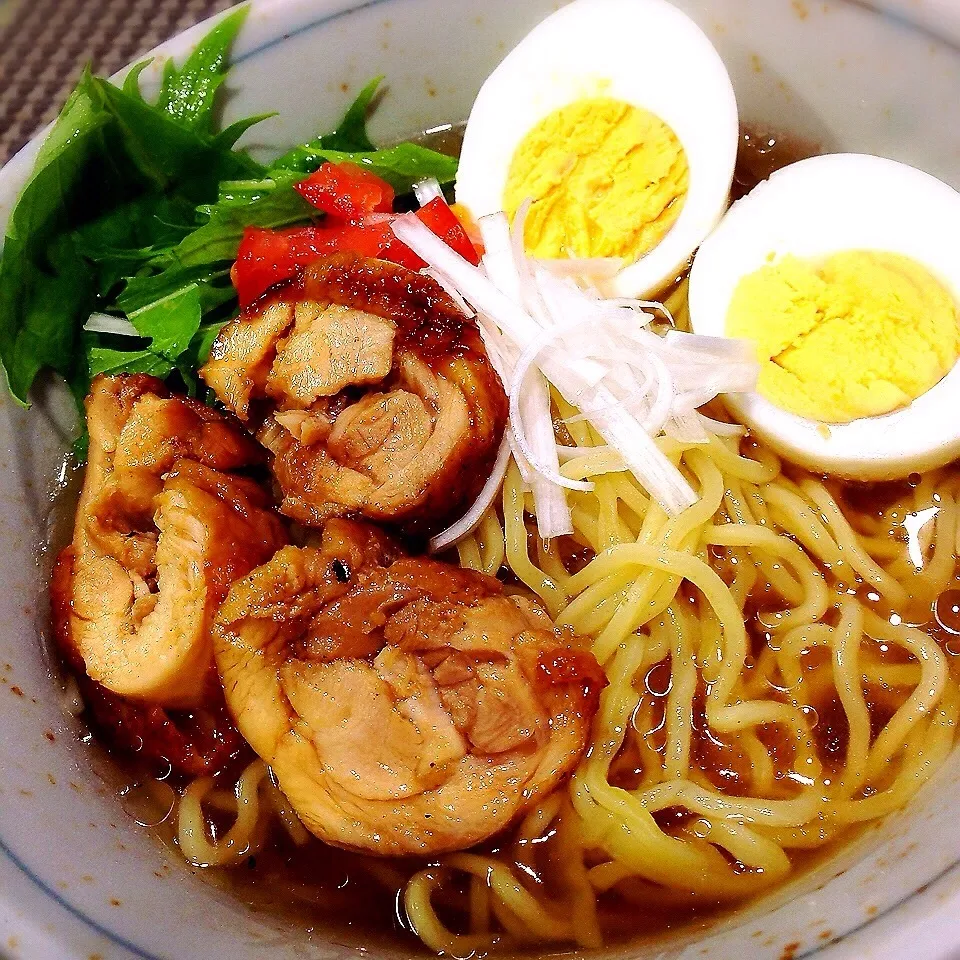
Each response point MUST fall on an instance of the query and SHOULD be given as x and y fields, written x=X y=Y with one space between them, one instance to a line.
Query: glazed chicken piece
x=194 y=742
x=371 y=390
x=406 y=706
x=162 y=530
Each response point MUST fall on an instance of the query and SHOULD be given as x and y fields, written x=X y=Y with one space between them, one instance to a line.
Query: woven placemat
x=45 y=44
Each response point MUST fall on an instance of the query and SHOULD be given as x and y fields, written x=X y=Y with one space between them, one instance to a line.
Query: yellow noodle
x=793 y=544
x=242 y=839
x=568 y=866
x=468 y=550
x=764 y=604
x=792 y=512
x=845 y=537
x=846 y=672
x=517 y=549
x=479 y=906
x=418 y=904
x=679 y=719
x=491 y=543
x=534 y=912
x=287 y=815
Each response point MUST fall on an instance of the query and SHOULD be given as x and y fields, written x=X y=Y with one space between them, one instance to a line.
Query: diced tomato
x=379 y=240
x=438 y=216
x=347 y=191
x=470 y=226
x=267 y=257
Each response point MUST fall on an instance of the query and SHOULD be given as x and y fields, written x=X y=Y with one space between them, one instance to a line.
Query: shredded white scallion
x=426 y=190
x=545 y=323
x=107 y=323
x=591 y=269
x=531 y=427
x=452 y=292
x=457 y=531
x=516 y=390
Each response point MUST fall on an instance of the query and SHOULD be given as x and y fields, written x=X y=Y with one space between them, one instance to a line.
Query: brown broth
x=353 y=899
x=763 y=152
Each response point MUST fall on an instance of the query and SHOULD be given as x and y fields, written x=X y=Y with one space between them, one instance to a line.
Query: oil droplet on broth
x=149 y=803
x=701 y=829
x=812 y=717
x=659 y=679
x=947 y=612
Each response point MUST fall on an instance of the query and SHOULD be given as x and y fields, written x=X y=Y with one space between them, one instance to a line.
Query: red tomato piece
x=347 y=191
x=442 y=221
x=267 y=257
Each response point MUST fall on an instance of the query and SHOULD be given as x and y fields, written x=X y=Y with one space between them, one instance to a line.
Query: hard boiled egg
x=585 y=81
x=858 y=211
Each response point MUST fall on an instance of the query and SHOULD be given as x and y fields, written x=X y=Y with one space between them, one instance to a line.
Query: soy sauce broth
x=327 y=894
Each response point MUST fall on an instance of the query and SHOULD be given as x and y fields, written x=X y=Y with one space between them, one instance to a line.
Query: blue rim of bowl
x=142 y=954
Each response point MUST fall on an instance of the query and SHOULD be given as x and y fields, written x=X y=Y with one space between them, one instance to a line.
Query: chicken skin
x=162 y=529
x=194 y=742
x=405 y=706
x=371 y=390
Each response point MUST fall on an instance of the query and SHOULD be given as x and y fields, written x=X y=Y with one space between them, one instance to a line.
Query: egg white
x=812 y=209
x=643 y=52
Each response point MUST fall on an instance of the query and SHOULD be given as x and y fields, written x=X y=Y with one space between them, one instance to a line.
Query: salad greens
x=136 y=210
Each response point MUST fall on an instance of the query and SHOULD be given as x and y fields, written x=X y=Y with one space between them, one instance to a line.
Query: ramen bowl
x=80 y=878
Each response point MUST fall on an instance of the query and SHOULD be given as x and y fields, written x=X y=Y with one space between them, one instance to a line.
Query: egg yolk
x=606 y=179
x=860 y=334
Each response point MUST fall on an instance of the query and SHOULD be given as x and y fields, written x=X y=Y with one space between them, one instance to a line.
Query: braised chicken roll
x=195 y=742
x=162 y=529
x=372 y=391
x=406 y=706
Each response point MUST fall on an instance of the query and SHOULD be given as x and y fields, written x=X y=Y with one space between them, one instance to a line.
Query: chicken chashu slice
x=194 y=743
x=406 y=706
x=372 y=391
x=162 y=529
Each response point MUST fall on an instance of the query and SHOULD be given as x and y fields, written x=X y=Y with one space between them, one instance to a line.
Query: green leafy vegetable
x=228 y=138
x=212 y=283
x=401 y=166
x=187 y=94
x=137 y=209
x=166 y=153
x=38 y=310
x=351 y=132
x=170 y=323
x=259 y=203
x=131 y=85
x=109 y=361
x=116 y=182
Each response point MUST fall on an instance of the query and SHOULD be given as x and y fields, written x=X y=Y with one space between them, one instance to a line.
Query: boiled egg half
x=612 y=127
x=843 y=270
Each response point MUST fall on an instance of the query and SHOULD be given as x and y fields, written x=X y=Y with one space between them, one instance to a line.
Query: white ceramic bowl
x=78 y=879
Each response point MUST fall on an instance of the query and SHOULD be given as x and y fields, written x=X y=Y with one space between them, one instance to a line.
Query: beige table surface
x=44 y=45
